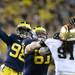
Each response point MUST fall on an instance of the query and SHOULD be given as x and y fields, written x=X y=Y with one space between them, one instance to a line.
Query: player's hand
x=42 y=43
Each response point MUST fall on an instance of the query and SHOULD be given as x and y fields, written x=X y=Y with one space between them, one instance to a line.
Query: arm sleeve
x=64 y=33
x=4 y=36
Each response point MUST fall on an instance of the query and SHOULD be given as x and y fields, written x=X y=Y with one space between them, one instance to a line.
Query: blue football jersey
x=36 y=64
x=15 y=45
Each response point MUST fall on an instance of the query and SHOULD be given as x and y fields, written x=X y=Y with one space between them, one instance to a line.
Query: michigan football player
x=37 y=58
x=14 y=62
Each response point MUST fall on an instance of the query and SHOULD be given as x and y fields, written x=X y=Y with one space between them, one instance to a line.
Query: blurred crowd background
x=51 y=14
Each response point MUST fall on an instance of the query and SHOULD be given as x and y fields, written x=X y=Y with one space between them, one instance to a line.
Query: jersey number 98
x=18 y=52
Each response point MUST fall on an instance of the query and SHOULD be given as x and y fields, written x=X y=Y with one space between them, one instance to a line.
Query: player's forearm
x=35 y=45
x=32 y=46
x=44 y=50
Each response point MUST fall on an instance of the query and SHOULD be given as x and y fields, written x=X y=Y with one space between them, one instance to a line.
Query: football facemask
x=24 y=32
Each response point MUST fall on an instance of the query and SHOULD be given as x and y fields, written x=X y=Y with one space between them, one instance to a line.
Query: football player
x=14 y=62
x=38 y=59
x=67 y=32
x=63 y=54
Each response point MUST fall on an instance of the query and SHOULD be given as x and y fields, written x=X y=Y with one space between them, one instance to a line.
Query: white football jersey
x=63 y=64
